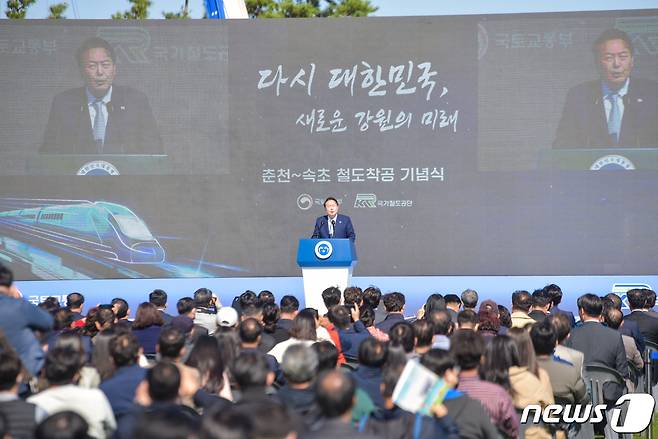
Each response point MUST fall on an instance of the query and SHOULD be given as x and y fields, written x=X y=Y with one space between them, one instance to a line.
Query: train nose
x=147 y=252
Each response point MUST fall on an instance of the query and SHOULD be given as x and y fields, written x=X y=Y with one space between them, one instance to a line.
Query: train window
x=133 y=227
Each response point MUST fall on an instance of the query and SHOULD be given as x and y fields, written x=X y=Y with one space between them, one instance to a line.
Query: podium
x=325 y=263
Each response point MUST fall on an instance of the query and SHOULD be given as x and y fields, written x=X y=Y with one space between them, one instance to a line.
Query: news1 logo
x=638 y=413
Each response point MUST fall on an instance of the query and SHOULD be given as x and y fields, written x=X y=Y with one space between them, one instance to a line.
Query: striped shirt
x=496 y=402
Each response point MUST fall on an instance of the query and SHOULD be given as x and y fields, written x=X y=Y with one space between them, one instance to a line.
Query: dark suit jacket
x=390 y=321
x=131 y=127
x=602 y=345
x=569 y=314
x=120 y=388
x=648 y=325
x=342 y=230
x=632 y=329
x=335 y=428
x=537 y=315
x=584 y=125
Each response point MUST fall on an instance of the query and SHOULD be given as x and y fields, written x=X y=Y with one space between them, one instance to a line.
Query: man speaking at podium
x=333 y=225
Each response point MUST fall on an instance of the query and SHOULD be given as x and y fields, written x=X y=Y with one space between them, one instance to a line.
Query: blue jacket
x=369 y=379
x=390 y=321
x=18 y=320
x=120 y=388
x=342 y=230
x=350 y=339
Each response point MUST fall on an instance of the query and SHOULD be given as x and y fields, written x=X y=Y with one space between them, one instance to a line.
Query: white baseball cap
x=227 y=317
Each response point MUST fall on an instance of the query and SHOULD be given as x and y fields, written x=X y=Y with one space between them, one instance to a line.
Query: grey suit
x=566 y=381
x=602 y=345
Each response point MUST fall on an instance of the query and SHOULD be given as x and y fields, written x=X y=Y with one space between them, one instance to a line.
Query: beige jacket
x=528 y=389
x=521 y=319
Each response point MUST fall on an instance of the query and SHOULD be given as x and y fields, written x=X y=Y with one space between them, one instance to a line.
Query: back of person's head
x=591 y=305
x=63 y=317
x=469 y=298
x=327 y=354
x=271 y=315
x=402 y=335
x=250 y=370
x=544 y=337
x=75 y=300
x=203 y=298
x=165 y=423
x=226 y=423
x=265 y=297
x=120 y=307
x=158 y=298
x=467 y=348
x=394 y=302
x=270 y=420
x=299 y=364
x=555 y=293
x=163 y=380
x=372 y=352
x=372 y=296
x=441 y=321
x=206 y=357
x=62 y=364
x=434 y=302
x=424 y=333
x=391 y=374
x=614 y=299
x=521 y=301
x=50 y=305
x=147 y=315
x=10 y=369
x=467 y=318
x=331 y=297
x=438 y=361
x=171 y=342
x=289 y=304
x=185 y=305
x=6 y=277
x=541 y=299
x=352 y=296
x=247 y=299
x=613 y=318
x=335 y=393
x=650 y=299
x=250 y=330
x=340 y=316
x=124 y=349
x=367 y=316
x=499 y=355
x=504 y=316
x=561 y=324
x=303 y=326
x=252 y=311
x=488 y=320
x=452 y=299
x=63 y=425
x=526 y=350
x=636 y=298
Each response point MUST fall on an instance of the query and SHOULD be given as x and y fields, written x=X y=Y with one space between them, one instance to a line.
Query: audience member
x=206 y=357
x=469 y=415
x=453 y=305
x=555 y=293
x=469 y=299
x=443 y=327
x=159 y=299
x=266 y=297
x=147 y=326
x=630 y=327
x=61 y=370
x=372 y=297
x=394 y=305
x=327 y=355
x=303 y=331
x=505 y=317
x=353 y=297
x=252 y=376
x=22 y=417
x=120 y=389
x=468 y=350
x=639 y=302
x=521 y=304
x=367 y=317
x=18 y=320
x=541 y=305
x=562 y=326
x=614 y=320
x=351 y=335
x=63 y=425
x=402 y=339
x=121 y=311
x=468 y=320
x=424 y=335
x=206 y=310
x=300 y=368
x=368 y=375
x=171 y=347
x=75 y=304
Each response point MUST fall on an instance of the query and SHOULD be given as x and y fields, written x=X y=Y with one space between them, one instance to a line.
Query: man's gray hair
x=299 y=364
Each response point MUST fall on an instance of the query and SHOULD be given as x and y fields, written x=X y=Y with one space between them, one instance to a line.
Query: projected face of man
x=615 y=61
x=98 y=70
x=331 y=207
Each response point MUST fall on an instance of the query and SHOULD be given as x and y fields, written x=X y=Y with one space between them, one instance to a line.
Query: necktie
x=99 y=125
x=333 y=228
x=614 y=118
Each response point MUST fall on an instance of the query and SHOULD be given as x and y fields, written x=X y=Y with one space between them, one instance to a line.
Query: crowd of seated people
x=259 y=369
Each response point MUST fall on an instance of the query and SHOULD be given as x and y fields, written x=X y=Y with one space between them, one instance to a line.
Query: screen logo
x=323 y=250
x=305 y=201
x=368 y=201
x=98 y=167
x=612 y=162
